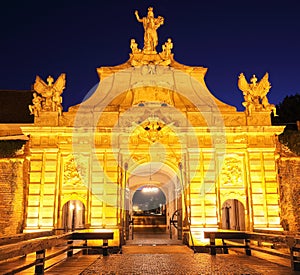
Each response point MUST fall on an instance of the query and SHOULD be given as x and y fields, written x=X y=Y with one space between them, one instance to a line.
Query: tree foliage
x=288 y=114
x=9 y=148
x=291 y=139
x=288 y=111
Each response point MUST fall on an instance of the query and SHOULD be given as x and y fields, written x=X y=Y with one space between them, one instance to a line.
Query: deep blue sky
x=76 y=37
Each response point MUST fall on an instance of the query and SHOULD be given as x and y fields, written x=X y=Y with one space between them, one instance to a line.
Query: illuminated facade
x=152 y=122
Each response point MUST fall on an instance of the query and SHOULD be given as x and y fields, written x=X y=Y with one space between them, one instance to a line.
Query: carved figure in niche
x=134 y=46
x=150 y=24
x=51 y=92
x=37 y=105
x=255 y=94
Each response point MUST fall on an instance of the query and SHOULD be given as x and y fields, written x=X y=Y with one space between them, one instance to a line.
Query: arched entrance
x=154 y=194
x=149 y=210
x=233 y=215
x=73 y=215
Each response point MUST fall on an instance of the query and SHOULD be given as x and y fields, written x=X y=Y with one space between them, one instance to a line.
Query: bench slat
x=14 y=248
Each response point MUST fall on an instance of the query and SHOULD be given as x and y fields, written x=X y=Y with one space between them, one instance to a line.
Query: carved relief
x=231 y=173
x=75 y=173
x=151 y=131
x=152 y=110
x=234 y=119
x=152 y=94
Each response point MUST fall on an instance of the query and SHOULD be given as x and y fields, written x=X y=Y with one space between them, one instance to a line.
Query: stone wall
x=289 y=188
x=13 y=183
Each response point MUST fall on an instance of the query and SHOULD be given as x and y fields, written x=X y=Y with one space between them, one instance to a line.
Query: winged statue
x=255 y=94
x=50 y=92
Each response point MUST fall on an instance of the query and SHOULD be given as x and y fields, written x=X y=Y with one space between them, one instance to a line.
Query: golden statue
x=167 y=48
x=37 y=105
x=255 y=94
x=51 y=93
x=57 y=102
x=134 y=46
x=150 y=24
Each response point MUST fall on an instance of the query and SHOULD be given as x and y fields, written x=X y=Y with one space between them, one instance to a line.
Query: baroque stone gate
x=152 y=119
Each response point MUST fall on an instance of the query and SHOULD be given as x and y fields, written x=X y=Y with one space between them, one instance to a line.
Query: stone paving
x=187 y=264
x=159 y=255
x=156 y=254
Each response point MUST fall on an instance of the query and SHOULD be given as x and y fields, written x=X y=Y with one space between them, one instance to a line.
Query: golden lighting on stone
x=152 y=113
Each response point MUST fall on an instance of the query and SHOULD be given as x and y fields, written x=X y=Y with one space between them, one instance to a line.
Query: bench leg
x=295 y=266
x=212 y=245
x=247 y=248
x=225 y=249
x=40 y=262
x=295 y=261
x=85 y=251
x=105 y=248
x=70 y=246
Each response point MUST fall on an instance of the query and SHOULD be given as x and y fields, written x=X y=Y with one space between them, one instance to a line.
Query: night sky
x=75 y=37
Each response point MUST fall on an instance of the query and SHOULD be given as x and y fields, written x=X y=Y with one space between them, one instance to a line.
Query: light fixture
x=150 y=189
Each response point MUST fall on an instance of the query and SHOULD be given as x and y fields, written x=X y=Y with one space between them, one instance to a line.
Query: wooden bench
x=22 y=248
x=290 y=241
x=213 y=235
x=105 y=236
x=62 y=244
x=25 y=236
x=292 y=244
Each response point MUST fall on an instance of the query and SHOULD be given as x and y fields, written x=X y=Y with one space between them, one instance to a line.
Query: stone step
x=156 y=249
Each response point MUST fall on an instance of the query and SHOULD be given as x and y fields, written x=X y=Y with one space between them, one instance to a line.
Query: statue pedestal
x=259 y=119
x=46 y=119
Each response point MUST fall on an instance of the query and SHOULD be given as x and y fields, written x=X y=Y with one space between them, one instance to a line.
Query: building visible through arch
x=153 y=120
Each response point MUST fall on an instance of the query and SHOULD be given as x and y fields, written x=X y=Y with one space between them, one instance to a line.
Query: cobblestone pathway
x=186 y=264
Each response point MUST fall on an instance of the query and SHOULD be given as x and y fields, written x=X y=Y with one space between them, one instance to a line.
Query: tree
x=288 y=114
x=288 y=111
x=10 y=148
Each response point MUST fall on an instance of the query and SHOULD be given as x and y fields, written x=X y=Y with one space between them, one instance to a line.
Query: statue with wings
x=255 y=94
x=51 y=93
